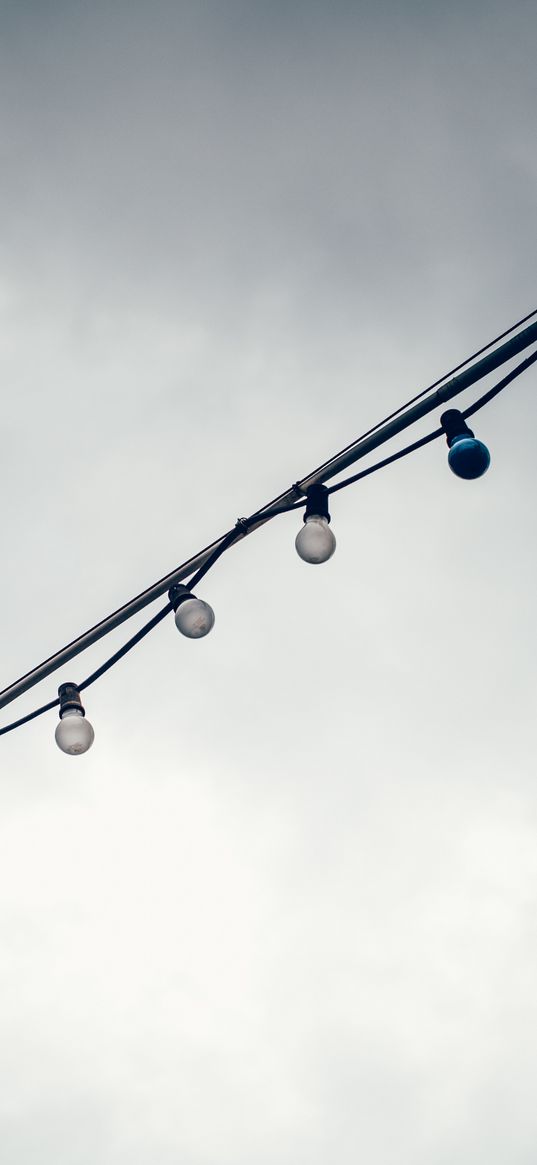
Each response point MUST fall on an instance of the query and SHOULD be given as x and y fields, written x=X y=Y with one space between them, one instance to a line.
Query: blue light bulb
x=468 y=457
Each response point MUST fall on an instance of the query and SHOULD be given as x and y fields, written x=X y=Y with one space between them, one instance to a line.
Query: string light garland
x=315 y=543
x=356 y=451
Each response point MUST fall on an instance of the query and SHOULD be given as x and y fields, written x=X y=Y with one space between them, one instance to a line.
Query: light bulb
x=194 y=618
x=74 y=734
x=468 y=457
x=315 y=542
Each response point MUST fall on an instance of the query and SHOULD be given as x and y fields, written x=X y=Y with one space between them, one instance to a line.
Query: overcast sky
x=284 y=912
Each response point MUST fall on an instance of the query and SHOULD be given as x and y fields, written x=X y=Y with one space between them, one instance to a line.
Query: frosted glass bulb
x=315 y=542
x=194 y=618
x=74 y=734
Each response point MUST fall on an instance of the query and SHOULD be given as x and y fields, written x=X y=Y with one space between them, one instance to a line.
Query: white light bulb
x=315 y=542
x=74 y=734
x=194 y=618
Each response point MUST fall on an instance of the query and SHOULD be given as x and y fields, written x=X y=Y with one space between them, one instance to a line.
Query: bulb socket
x=70 y=699
x=454 y=426
x=178 y=593
x=317 y=503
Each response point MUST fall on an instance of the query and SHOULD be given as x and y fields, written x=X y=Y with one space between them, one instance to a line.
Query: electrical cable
x=243 y=524
x=469 y=412
x=386 y=461
x=458 y=367
x=497 y=388
x=291 y=497
x=431 y=387
x=30 y=716
x=100 y=671
x=226 y=542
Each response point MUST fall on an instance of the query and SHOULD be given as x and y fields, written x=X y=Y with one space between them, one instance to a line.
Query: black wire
x=458 y=367
x=424 y=391
x=496 y=388
x=226 y=542
x=269 y=512
x=239 y=530
x=224 y=545
x=30 y=716
x=273 y=513
x=232 y=536
x=243 y=525
x=96 y=675
x=386 y=461
x=469 y=412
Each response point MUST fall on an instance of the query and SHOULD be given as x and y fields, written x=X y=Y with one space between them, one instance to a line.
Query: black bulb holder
x=454 y=425
x=70 y=699
x=178 y=594
x=317 y=503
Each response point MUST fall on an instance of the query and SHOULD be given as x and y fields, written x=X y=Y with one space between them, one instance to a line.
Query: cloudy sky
x=284 y=912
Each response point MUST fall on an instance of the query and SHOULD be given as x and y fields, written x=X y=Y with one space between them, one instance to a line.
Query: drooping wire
x=469 y=412
x=292 y=497
x=429 y=388
x=147 y=627
x=333 y=489
x=226 y=542
x=232 y=536
x=224 y=545
x=497 y=388
x=243 y=525
x=137 y=638
x=458 y=367
x=30 y=716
